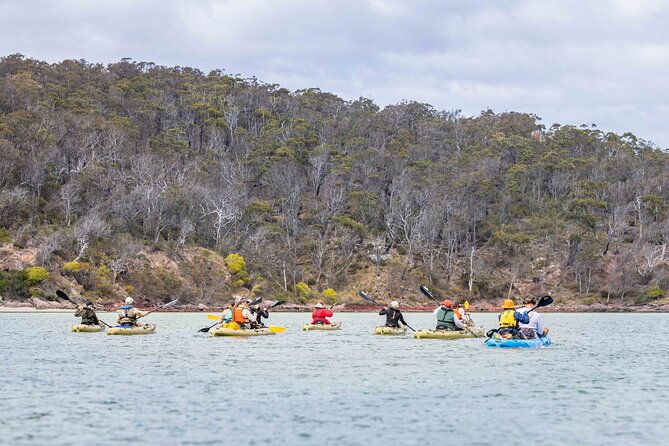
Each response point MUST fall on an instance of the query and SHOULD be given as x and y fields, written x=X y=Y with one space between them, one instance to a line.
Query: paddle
x=429 y=294
x=64 y=296
x=543 y=302
x=168 y=304
x=333 y=305
x=217 y=318
x=366 y=297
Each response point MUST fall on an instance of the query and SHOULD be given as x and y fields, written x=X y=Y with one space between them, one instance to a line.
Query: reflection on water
x=604 y=381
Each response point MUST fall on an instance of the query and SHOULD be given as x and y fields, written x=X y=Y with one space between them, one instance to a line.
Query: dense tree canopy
x=102 y=166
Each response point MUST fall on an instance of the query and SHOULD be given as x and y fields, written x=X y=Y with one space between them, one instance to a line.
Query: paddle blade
x=427 y=292
x=545 y=301
x=206 y=329
x=255 y=301
x=275 y=329
x=466 y=305
x=169 y=304
x=365 y=296
x=63 y=295
x=213 y=317
x=280 y=302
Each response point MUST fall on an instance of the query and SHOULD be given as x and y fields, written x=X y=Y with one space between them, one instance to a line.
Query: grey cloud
x=574 y=62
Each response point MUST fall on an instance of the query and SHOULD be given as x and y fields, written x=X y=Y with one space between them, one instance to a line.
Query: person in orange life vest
x=242 y=315
x=509 y=319
x=320 y=314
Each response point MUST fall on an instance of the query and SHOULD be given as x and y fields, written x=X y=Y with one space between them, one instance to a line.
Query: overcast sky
x=604 y=62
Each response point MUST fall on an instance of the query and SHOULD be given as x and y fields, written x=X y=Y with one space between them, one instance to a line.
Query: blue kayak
x=498 y=341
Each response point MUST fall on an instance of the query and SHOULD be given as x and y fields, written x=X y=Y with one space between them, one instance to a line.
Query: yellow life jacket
x=507 y=319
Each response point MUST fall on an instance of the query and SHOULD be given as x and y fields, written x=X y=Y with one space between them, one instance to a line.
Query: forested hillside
x=163 y=182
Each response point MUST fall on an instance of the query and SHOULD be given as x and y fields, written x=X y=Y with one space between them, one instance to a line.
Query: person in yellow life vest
x=509 y=319
x=128 y=315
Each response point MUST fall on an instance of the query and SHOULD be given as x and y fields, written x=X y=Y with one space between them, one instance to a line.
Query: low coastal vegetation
x=167 y=182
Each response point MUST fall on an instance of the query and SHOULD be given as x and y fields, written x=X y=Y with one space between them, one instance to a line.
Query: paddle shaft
x=64 y=295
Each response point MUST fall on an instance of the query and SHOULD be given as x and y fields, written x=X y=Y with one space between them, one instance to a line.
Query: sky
x=603 y=62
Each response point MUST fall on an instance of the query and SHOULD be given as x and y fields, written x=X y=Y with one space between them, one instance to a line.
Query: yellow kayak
x=220 y=331
x=390 y=331
x=332 y=326
x=83 y=328
x=473 y=332
x=128 y=330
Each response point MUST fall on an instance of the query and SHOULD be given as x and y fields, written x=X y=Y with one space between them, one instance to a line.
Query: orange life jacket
x=237 y=316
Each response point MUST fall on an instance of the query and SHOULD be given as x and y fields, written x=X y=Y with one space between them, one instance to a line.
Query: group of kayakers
x=241 y=315
x=523 y=323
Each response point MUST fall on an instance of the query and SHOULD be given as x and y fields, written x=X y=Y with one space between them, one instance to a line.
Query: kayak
x=476 y=332
x=332 y=326
x=390 y=331
x=498 y=341
x=129 y=330
x=220 y=331
x=83 y=328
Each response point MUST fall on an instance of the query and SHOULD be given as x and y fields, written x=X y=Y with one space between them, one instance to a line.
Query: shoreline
x=351 y=309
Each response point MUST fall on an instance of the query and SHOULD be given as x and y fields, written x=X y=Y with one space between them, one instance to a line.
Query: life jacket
x=445 y=317
x=507 y=319
x=319 y=316
x=237 y=316
x=125 y=316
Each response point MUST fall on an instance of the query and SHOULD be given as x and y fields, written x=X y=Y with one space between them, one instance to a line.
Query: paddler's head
x=446 y=303
x=89 y=303
x=508 y=304
x=394 y=304
x=320 y=305
x=129 y=301
x=530 y=301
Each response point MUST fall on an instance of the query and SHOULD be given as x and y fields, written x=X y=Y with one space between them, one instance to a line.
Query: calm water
x=604 y=381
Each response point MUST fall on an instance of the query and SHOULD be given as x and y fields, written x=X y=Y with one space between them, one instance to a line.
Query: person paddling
x=320 y=314
x=393 y=315
x=509 y=319
x=128 y=315
x=535 y=327
x=226 y=316
x=447 y=319
x=258 y=313
x=87 y=314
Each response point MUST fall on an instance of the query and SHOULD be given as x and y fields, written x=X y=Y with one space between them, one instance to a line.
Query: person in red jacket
x=320 y=314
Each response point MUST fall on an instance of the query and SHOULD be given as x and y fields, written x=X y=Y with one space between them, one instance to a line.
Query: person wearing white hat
x=320 y=314
x=127 y=314
x=393 y=315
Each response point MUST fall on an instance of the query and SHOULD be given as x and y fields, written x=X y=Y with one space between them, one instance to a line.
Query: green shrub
x=652 y=294
x=235 y=263
x=302 y=289
x=35 y=275
x=71 y=268
x=237 y=268
x=5 y=235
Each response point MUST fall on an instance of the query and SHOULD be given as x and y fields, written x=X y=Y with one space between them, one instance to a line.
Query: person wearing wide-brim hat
x=321 y=314
x=87 y=314
x=509 y=318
